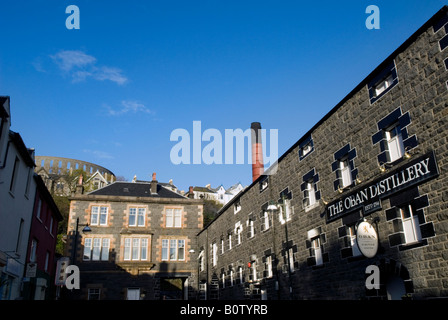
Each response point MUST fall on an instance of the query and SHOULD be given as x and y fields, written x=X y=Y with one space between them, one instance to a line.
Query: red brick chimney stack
x=154 y=184
x=257 y=151
x=191 y=193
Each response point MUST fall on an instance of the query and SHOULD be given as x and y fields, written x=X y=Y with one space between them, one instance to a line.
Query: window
x=309 y=194
x=346 y=175
x=344 y=167
x=51 y=225
x=173 y=250
x=306 y=147
x=39 y=208
x=285 y=211
x=291 y=259
x=229 y=240
x=47 y=259
x=133 y=294
x=136 y=249
x=237 y=206
x=238 y=231
x=411 y=225
x=393 y=137
x=93 y=294
x=394 y=143
x=96 y=249
x=265 y=220
x=214 y=254
x=28 y=180
x=317 y=250
x=14 y=175
x=173 y=218
x=231 y=277
x=268 y=267
x=251 y=228
x=33 y=250
x=223 y=279
x=201 y=261
x=383 y=82
x=264 y=183
x=315 y=241
x=223 y=247
x=137 y=217
x=352 y=237
x=383 y=85
x=240 y=275
x=99 y=215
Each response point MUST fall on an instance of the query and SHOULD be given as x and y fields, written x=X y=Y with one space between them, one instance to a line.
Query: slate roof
x=135 y=189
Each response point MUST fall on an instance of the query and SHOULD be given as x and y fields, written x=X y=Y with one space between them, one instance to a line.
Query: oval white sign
x=367 y=239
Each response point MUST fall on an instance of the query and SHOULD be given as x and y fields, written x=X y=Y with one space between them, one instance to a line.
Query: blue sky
x=112 y=92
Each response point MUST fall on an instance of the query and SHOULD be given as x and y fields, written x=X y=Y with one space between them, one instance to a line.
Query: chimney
x=191 y=193
x=154 y=184
x=80 y=187
x=257 y=151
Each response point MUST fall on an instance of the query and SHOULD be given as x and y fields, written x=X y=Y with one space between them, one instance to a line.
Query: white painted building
x=17 y=192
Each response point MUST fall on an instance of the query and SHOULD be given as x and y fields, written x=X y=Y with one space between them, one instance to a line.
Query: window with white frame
x=214 y=254
x=383 y=85
x=265 y=220
x=411 y=226
x=201 y=261
x=135 y=249
x=317 y=251
x=173 y=218
x=394 y=143
x=173 y=250
x=285 y=211
x=137 y=217
x=240 y=274
x=229 y=240
x=99 y=216
x=291 y=259
x=223 y=246
x=346 y=174
x=309 y=194
x=231 y=277
x=238 y=231
x=96 y=249
x=251 y=227
x=268 y=267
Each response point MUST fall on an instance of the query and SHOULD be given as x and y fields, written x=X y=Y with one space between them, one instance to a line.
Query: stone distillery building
x=364 y=192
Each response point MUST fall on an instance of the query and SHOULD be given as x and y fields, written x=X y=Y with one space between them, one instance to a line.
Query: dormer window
x=237 y=206
x=383 y=82
x=306 y=147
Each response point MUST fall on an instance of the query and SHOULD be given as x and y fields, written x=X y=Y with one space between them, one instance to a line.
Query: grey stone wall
x=419 y=103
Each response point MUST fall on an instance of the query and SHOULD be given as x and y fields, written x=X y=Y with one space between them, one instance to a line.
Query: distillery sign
x=368 y=198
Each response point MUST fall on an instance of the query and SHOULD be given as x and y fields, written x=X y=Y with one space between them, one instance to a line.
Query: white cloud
x=81 y=66
x=128 y=106
x=69 y=59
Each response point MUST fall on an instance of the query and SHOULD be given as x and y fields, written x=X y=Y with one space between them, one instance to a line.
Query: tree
x=211 y=208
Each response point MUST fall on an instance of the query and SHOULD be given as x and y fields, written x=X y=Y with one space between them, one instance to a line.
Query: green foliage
x=211 y=208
